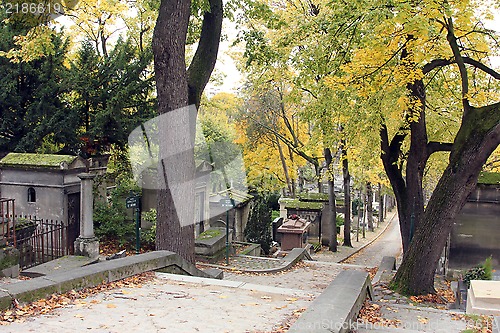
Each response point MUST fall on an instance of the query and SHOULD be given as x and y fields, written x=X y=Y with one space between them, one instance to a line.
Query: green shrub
x=110 y=218
x=339 y=220
x=148 y=236
x=258 y=229
x=356 y=204
x=111 y=222
x=480 y=272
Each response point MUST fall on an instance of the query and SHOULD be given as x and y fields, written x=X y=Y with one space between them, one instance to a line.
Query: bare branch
x=452 y=40
x=434 y=146
x=482 y=67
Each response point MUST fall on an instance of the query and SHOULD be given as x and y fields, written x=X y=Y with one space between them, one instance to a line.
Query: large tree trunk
x=408 y=191
x=477 y=138
x=331 y=203
x=172 y=90
x=347 y=198
x=176 y=89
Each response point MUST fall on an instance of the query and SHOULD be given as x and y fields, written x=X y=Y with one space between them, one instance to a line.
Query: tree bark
x=176 y=89
x=172 y=90
x=285 y=167
x=331 y=203
x=477 y=138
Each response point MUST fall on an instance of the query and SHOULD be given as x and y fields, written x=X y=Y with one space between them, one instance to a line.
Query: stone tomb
x=483 y=297
x=293 y=232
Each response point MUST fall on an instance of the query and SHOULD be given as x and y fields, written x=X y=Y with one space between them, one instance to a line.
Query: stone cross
x=86 y=244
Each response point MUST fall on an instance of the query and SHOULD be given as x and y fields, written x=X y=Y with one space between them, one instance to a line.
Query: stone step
x=417 y=319
x=483 y=297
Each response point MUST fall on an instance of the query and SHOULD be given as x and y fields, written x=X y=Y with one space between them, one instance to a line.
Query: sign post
x=227 y=202
x=134 y=201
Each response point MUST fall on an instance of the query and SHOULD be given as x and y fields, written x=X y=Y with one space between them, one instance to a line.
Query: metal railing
x=7 y=222
x=40 y=241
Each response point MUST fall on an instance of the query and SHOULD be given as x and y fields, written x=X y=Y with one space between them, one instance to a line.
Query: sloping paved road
x=388 y=244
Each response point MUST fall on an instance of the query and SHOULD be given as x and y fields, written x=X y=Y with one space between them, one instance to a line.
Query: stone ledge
x=95 y=274
x=338 y=306
x=388 y=264
x=294 y=256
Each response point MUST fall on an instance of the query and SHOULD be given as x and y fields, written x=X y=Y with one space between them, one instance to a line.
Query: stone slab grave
x=483 y=297
x=59 y=265
x=211 y=244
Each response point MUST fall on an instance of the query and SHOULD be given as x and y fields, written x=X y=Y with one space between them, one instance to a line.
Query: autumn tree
x=416 y=56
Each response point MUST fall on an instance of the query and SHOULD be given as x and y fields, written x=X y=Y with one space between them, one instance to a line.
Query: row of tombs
x=48 y=186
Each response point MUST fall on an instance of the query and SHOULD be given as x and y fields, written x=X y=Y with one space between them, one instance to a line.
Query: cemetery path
x=388 y=244
x=175 y=304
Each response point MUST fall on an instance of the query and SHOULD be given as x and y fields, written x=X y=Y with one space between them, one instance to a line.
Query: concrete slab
x=483 y=297
x=336 y=309
x=165 y=306
x=388 y=264
x=63 y=264
x=30 y=290
x=234 y=284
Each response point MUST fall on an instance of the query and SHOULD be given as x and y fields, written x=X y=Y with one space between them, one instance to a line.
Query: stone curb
x=496 y=325
x=93 y=275
x=235 y=284
x=337 y=308
x=291 y=259
x=371 y=241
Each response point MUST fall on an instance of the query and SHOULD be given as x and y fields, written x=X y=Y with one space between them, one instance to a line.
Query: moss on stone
x=36 y=160
x=210 y=233
x=8 y=257
x=295 y=203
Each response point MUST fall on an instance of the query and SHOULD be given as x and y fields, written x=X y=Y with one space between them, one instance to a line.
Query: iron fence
x=40 y=241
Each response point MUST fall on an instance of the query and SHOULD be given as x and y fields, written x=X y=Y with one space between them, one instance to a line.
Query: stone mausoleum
x=43 y=185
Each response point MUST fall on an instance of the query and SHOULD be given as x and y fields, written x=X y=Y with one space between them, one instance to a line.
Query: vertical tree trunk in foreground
x=176 y=89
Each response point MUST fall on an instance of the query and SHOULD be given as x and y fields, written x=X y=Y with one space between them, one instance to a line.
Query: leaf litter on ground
x=20 y=312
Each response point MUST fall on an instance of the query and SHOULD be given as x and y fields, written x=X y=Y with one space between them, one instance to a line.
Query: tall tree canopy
x=413 y=79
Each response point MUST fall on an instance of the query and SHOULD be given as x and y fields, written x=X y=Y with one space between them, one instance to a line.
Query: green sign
x=226 y=202
x=132 y=202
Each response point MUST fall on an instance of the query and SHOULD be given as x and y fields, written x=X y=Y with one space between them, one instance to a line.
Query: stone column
x=86 y=244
